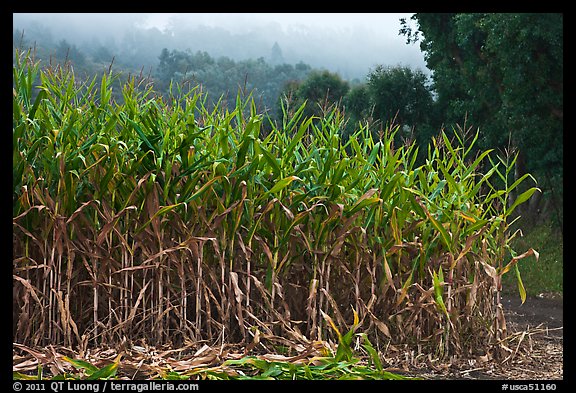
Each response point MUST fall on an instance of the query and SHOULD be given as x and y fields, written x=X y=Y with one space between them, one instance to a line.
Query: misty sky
x=351 y=43
x=384 y=25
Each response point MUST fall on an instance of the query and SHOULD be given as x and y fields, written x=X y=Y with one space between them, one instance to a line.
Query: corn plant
x=168 y=219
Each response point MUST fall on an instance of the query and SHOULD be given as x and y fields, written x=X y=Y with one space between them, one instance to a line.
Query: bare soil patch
x=535 y=341
x=541 y=320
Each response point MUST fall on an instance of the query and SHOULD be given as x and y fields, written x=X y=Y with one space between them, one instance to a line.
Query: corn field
x=165 y=220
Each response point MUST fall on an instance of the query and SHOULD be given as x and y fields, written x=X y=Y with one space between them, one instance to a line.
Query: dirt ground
x=541 y=320
x=535 y=342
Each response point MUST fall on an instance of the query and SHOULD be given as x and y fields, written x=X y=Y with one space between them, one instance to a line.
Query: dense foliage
x=504 y=73
x=396 y=96
x=225 y=77
x=319 y=93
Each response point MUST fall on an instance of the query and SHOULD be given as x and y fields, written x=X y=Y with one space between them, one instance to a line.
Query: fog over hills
x=348 y=43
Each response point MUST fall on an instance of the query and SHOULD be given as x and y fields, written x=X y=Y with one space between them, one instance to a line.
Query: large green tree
x=395 y=96
x=320 y=90
x=504 y=73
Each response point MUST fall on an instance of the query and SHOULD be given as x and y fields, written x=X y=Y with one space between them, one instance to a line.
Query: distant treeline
x=224 y=77
x=220 y=78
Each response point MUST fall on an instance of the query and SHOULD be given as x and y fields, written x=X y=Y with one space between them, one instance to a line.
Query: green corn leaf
x=374 y=357
x=471 y=145
x=495 y=166
x=365 y=200
x=297 y=138
x=449 y=145
x=106 y=371
x=39 y=98
x=374 y=153
x=295 y=118
x=81 y=364
x=271 y=161
x=450 y=179
x=390 y=187
x=273 y=370
x=438 y=280
x=443 y=233
x=143 y=136
x=339 y=172
x=438 y=189
x=343 y=351
x=521 y=288
x=160 y=212
x=479 y=223
x=520 y=180
x=282 y=184
x=202 y=189
x=471 y=168
x=521 y=199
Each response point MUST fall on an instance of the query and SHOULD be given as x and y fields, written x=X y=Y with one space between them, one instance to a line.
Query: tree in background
x=320 y=90
x=358 y=105
x=276 y=56
x=394 y=96
x=69 y=52
x=504 y=72
x=400 y=96
x=102 y=54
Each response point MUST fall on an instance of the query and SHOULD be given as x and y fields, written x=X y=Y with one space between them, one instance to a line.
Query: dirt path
x=539 y=321
x=535 y=344
x=536 y=335
x=543 y=309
